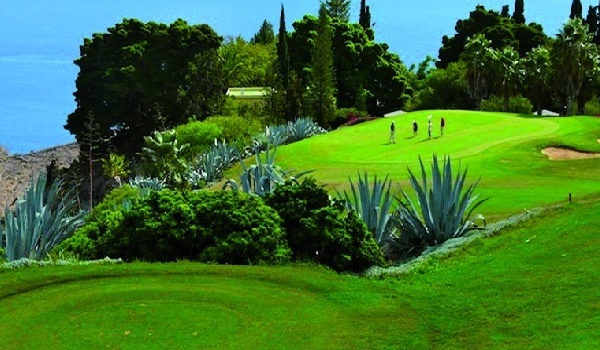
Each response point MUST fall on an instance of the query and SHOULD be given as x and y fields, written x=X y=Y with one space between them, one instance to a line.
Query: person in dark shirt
x=442 y=124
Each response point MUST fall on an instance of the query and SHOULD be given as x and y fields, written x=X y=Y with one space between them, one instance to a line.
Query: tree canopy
x=140 y=77
x=265 y=34
x=338 y=9
x=358 y=61
x=500 y=30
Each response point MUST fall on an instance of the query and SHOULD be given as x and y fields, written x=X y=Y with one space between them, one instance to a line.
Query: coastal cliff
x=16 y=171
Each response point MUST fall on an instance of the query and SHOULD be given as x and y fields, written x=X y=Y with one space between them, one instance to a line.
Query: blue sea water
x=39 y=39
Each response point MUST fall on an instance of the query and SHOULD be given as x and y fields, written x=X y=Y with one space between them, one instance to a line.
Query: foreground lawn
x=503 y=149
x=531 y=287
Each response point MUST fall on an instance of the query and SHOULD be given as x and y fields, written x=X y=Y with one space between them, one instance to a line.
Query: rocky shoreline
x=17 y=170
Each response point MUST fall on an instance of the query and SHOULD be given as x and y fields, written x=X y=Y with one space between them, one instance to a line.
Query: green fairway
x=503 y=149
x=532 y=287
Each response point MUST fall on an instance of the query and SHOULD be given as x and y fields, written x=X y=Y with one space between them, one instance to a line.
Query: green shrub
x=199 y=135
x=88 y=241
x=2 y=254
x=315 y=224
x=517 y=104
x=113 y=200
x=237 y=129
x=243 y=229
x=295 y=202
x=344 y=115
x=223 y=227
x=342 y=239
x=592 y=107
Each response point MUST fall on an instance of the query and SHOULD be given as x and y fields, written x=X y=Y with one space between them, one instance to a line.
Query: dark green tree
x=321 y=84
x=518 y=16
x=361 y=14
x=502 y=31
x=358 y=60
x=265 y=34
x=592 y=21
x=338 y=9
x=283 y=56
x=141 y=77
x=478 y=57
x=246 y=64
x=537 y=77
x=574 y=59
x=364 y=17
x=505 y=11
x=576 y=9
x=444 y=89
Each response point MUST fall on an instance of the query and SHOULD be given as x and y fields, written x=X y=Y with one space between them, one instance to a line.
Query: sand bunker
x=557 y=153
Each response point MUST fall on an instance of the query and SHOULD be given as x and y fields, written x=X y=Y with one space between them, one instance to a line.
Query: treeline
x=495 y=59
x=140 y=78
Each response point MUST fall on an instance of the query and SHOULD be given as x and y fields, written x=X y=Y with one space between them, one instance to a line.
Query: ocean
x=39 y=39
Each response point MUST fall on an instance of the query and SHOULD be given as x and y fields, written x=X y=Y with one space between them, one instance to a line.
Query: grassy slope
x=533 y=287
x=504 y=149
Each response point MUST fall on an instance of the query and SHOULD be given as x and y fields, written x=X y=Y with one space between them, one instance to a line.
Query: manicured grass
x=532 y=287
x=503 y=149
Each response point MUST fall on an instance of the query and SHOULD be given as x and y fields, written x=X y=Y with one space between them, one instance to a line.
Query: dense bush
x=315 y=224
x=341 y=238
x=115 y=199
x=199 y=136
x=236 y=129
x=223 y=226
x=88 y=241
x=442 y=89
x=592 y=107
x=345 y=115
x=517 y=104
x=295 y=202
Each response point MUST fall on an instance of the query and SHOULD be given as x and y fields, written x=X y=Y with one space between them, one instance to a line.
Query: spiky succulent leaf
x=40 y=220
x=445 y=208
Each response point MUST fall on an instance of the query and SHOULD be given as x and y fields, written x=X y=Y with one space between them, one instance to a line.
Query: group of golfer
x=415 y=128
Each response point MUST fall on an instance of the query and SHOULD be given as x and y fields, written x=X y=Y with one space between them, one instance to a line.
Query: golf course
x=533 y=285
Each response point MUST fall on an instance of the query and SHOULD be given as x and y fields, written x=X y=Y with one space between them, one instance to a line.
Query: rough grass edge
x=432 y=255
x=25 y=262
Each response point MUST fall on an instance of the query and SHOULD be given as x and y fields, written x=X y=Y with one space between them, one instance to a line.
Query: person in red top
x=442 y=124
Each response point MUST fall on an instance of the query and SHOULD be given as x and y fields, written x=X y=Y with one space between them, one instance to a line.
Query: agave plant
x=264 y=176
x=147 y=184
x=302 y=128
x=444 y=208
x=40 y=220
x=373 y=204
x=209 y=167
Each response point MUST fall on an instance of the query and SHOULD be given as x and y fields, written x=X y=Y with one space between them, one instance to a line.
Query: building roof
x=253 y=92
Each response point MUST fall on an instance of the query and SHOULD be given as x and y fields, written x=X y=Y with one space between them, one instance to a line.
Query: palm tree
x=537 y=76
x=508 y=71
x=478 y=56
x=573 y=56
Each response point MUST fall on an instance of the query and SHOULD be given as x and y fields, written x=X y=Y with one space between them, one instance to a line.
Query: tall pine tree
x=576 y=9
x=322 y=91
x=283 y=56
x=364 y=18
x=518 y=15
x=338 y=9
x=592 y=20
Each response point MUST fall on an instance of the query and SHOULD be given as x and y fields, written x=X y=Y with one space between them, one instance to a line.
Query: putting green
x=503 y=149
